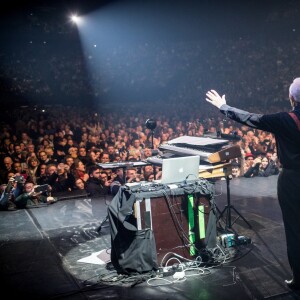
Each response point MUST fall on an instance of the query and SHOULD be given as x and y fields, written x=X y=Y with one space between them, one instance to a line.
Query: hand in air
x=215 y=99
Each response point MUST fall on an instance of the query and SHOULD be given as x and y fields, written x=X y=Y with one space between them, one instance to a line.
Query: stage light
x=76 y=19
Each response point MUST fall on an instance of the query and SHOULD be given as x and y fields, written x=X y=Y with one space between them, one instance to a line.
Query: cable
x=178 y=224
x=174 y=216
x=168 y=282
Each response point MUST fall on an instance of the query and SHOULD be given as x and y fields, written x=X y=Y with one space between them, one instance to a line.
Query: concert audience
x=40 y=140
x=65 y=180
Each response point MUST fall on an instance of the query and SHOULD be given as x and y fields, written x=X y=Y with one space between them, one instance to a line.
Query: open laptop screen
x=179 y=169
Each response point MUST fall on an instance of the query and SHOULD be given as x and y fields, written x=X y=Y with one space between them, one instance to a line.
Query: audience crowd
x=60 y=146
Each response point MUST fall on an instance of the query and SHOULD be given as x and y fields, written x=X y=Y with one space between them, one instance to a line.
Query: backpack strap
x=295 y=118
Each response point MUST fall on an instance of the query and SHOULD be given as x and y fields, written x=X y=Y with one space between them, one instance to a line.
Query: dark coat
x=95 y=188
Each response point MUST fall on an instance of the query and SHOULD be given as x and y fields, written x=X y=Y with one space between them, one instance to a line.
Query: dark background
x=35 y=32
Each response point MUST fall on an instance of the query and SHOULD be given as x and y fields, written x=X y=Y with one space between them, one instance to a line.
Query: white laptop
x=180 y=169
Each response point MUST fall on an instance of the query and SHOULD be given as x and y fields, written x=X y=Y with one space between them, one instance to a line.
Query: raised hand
x=215 y=99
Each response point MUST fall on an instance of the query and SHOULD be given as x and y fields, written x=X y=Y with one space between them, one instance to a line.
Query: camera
x=19 y=179
x=41 y=188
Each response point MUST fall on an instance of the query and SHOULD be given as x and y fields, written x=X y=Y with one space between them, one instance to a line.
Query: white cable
x=200 y=271
x=159 y=279
x=172 y=258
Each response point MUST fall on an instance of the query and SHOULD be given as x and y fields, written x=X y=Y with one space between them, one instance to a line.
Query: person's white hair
x=295 y=89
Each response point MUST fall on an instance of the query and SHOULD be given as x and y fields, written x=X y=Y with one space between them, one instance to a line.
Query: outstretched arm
x=238 y=115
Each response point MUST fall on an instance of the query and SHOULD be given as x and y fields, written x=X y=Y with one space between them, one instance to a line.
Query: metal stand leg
x=100 y=226
x=230 y=207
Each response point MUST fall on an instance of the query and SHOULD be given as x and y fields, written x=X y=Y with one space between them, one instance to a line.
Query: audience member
x=41 y=174
x=235 y=169
x=8 y=168
x=83 y=155
x=18 y=155
x=33 y=165
x=61 y=181
x=80 y=184
x=262 y=167
x=78 y=170
x=94 y=185
x=32 y=197
x=10 y=192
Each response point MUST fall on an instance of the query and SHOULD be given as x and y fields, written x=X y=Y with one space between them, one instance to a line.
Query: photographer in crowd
x=11 y=191
x=33 y=196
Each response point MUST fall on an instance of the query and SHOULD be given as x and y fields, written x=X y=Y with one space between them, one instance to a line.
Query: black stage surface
x=53 y=252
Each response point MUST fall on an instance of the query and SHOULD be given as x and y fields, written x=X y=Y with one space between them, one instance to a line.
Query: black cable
x=175 y=216
x=184 y=235
x=206 y=187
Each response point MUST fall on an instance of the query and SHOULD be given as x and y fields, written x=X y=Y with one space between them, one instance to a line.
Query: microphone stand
x=152 y=147
x=229 y=207
x=151 y=124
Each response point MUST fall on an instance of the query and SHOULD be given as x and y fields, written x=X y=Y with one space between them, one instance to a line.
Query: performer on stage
x=286 y=128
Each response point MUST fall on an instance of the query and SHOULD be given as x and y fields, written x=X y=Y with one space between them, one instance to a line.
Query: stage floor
x=57 y=252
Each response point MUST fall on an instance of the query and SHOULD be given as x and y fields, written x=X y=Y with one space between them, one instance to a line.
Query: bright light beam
x=76 y=19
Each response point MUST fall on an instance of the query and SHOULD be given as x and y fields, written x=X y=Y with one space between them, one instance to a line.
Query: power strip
x=166 y=271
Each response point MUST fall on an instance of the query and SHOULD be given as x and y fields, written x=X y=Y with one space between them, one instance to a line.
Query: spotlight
x=75 y=19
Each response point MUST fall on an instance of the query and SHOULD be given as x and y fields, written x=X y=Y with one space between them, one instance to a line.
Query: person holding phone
x=10 y=192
